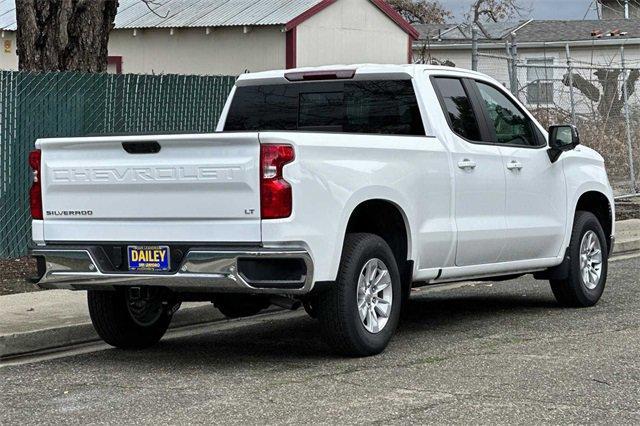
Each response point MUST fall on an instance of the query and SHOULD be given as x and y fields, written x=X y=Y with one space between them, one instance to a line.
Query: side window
x=458 y=108
x=384 y=107
x=511 y=125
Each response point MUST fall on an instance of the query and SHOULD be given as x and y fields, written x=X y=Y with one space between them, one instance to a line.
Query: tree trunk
x=64 y=35
x=611 y=98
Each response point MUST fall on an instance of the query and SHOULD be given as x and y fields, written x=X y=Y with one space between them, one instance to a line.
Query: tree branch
x=421 y=11
x=583 y=85
x=153 y=5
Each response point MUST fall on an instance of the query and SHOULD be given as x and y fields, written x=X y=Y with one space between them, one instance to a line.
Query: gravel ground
x=14 y=275
x=497 y=353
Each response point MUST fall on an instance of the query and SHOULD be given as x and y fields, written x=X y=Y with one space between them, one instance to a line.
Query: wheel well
x=598 y=204
x=384 y=219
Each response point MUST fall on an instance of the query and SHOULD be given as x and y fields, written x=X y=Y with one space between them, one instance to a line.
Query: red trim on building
x=308 y=14
x=117 y=61
x=290 y=27
x=290 y=48
x=380 y=4
x=396 y=17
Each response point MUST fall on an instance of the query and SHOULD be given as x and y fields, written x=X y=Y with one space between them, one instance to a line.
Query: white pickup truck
x=337 y=188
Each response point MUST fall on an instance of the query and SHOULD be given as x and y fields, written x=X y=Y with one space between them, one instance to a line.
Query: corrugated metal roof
x=191 y=13
x=8 y=15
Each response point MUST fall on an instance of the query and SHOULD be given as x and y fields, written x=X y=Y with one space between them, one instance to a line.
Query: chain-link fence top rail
x=33 y=106
x=590 y=94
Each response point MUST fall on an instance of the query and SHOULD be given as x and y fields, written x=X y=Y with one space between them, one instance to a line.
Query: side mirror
x=562 y=138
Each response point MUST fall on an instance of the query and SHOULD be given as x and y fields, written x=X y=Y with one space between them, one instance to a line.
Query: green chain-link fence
x=72 y=104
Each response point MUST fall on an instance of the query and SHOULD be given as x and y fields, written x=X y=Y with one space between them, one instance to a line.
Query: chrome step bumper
x=201 y=270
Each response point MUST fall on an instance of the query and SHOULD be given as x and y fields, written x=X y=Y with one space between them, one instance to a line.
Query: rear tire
x=346 y=310
x=588 y=264
x=114 y=321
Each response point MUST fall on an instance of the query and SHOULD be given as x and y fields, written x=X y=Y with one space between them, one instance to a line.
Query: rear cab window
x=385 y=107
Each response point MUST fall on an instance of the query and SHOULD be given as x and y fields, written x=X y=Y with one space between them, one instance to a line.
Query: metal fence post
x=627 y=121
x=513 y=53
x=507 y=48
x=474 y=48
x=571 y=94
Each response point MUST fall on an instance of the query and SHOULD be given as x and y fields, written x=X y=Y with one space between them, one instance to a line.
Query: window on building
x=540 y=81
x=372 y=106
x=114 y=64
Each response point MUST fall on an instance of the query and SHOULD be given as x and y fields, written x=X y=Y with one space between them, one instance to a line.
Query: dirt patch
x=15 y=274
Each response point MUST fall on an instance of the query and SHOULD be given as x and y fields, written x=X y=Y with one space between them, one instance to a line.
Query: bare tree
x=66 y=35
x=608 y=97
x=421 y=11
x=495 y=10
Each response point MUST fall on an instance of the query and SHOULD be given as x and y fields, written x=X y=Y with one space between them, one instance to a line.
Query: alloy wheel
x=374 y=295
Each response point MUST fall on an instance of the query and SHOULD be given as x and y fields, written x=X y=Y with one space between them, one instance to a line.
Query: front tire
x=127 y=323
x=360 y=313
x=588 y=264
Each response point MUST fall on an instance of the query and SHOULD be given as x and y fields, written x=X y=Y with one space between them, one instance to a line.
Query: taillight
x=275 y=192
x=35 y=193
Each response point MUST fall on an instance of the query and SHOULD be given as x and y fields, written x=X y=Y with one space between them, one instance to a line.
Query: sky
x=540 y=9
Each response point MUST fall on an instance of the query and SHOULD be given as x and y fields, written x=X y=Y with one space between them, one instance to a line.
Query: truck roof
x=408 y=70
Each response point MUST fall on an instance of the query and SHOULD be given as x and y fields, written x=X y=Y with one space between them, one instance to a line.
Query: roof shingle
x=538 y=31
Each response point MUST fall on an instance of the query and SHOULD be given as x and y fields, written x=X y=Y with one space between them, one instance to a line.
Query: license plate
x=148 y=258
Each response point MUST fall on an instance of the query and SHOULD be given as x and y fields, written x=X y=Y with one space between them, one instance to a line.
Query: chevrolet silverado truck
x=335 y=188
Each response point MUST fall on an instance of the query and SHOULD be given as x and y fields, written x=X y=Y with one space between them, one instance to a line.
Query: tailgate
x=196 y=188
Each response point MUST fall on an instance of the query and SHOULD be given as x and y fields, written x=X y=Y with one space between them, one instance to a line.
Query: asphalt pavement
x=491 y=353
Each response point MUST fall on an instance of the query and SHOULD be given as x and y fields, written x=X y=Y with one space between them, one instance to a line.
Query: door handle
x=141 y=147
x=467 y=164
x=514 y=165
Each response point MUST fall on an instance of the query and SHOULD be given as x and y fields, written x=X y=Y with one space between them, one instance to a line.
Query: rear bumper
x=201 y=270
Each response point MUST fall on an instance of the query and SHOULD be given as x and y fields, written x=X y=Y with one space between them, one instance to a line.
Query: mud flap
x=559 y=272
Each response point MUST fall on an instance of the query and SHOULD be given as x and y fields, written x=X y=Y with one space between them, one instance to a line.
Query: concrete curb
x=58 y=337
x=628 y=237
x=625 y=247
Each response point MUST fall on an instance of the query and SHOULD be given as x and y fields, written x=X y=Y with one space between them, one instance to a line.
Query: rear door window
x=371 y=106
x=458 y=108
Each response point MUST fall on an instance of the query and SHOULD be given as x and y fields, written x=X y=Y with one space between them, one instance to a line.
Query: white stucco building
x=232 y=36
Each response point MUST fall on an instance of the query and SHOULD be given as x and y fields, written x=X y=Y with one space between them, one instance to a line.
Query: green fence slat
x=40 y=105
